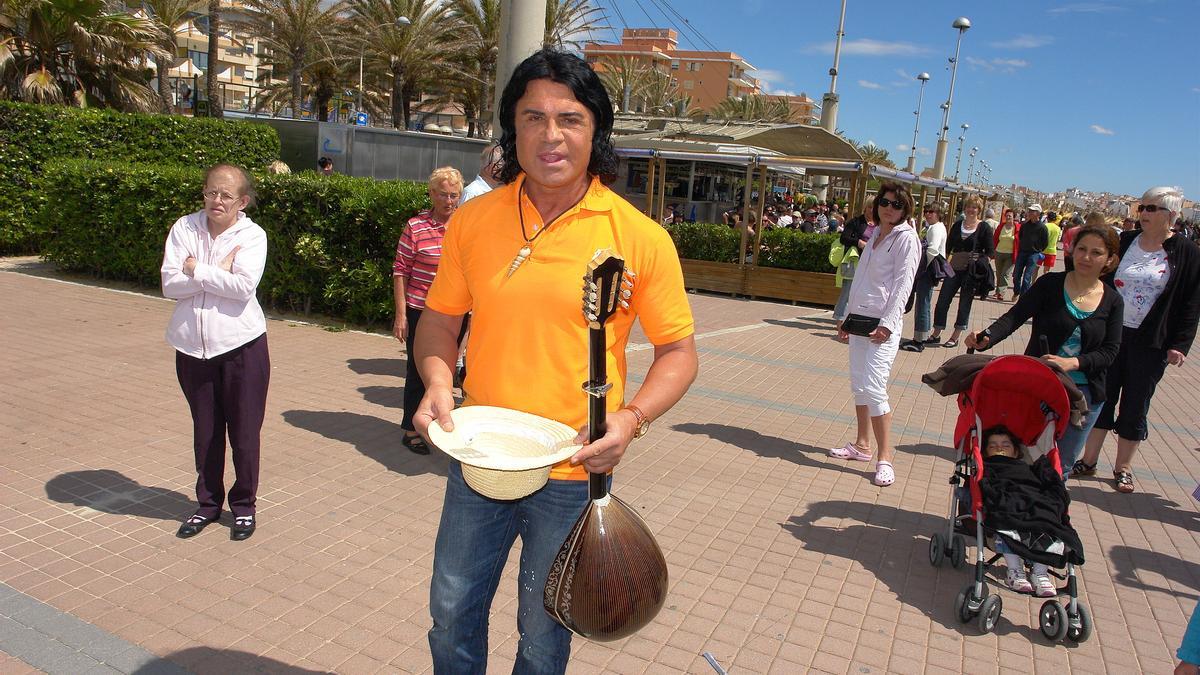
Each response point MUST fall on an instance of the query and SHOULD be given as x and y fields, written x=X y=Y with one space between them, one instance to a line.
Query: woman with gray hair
x=1159 y=279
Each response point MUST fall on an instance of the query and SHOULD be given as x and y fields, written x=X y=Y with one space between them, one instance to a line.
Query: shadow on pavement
x=1136 y=505
x=210 y=660
x=394 y=367
x=1131 y=562
x=376 y=438
x=773 y=446
x=930 y=450
x=388 y=397
x=893 y=544
x=110 y=491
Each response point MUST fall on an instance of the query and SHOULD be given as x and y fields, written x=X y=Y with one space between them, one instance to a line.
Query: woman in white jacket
x=213 y=262
x=881 y=286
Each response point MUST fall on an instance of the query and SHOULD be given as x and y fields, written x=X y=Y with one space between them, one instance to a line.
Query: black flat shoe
x=913 y=346
x=416 y=444
x=192 y=526
x=932 y=340
x=243 y=527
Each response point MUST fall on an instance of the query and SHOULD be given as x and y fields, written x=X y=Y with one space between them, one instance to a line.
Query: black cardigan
x=1100 y=333
x=1171 y=323
x=979 y=242
x=854 y=231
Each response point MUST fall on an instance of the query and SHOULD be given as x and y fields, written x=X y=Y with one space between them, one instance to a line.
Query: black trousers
x=965 y=288
x=227 y=394
x=414 y=386
x=1129 y=386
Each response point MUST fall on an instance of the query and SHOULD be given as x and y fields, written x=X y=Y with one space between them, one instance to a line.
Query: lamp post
x=971 y=163
x=961 y=24
x=829 y=102
x=400 y=22
x=912 y=151
x=961 y=137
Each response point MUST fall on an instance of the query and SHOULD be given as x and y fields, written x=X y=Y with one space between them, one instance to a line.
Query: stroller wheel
x=1053 y=620
x=958 y=551
x=1079 y=627
x=965 y=600
x=937 y=549
x=989 y=613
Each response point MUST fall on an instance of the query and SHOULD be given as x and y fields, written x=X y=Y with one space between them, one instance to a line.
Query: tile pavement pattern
x=782 y=560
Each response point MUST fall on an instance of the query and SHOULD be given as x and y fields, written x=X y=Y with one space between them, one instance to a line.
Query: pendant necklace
x=527 y=249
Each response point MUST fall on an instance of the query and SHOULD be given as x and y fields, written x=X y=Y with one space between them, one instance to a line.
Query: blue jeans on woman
x=1071 y=444
x=923 y=317
x=473 y=541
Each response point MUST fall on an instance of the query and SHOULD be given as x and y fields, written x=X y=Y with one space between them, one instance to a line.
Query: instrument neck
x=597 y=405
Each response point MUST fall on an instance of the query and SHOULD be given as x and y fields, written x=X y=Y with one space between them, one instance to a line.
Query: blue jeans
x=839 y=310
x=473 y=541
x=1073 y=439
x=1023 y=272
x=923 y=318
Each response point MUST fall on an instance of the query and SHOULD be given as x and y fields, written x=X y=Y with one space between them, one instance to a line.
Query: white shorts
x=870 y=367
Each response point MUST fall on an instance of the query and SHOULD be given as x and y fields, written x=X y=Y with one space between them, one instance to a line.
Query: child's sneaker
x=1043 y=585
x=1018 y=581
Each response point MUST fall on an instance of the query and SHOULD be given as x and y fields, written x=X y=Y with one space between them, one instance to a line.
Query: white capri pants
x=870 y=366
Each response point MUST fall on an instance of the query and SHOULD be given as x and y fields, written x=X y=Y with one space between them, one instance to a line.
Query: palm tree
x=479 y=51
x=80 y=51
x=216 y=106
x=872 y=153
x=168 y=16
x=567 y=19
x=753 y=108
x=294 y=35
x=619 y=74
x=412 y=55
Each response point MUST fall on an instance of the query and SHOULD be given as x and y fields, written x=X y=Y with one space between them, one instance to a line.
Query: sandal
x=416 y=444
x=950 y=344
x=936 y=339
x=885 y=474
x=1123 y=481
x=1082 y=468
x=851 y=451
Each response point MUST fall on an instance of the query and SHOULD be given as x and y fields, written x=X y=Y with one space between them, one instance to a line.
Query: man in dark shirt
x=1032 y=240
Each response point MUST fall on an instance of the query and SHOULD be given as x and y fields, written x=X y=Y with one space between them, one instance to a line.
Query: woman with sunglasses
x=878 y=293
x=1159 y=279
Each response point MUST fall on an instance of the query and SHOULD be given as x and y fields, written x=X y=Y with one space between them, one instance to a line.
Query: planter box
x=810 y=287
x=761 y=282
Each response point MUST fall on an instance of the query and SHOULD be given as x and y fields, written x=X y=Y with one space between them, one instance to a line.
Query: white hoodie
x=217 y=311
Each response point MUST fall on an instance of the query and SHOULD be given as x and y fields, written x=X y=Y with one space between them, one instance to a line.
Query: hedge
x=31 y=135
x=331 y=238
x=785 y=249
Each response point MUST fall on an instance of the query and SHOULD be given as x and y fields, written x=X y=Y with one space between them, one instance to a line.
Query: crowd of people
x=1125 y=308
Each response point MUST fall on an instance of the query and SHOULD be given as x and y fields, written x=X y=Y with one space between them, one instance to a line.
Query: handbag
x=857 y=324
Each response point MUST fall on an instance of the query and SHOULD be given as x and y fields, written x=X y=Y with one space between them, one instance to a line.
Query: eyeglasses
x=218 y=196
x=1152 y=208
x=894 y=203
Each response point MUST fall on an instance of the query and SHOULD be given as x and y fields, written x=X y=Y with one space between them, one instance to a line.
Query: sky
x=1103 y=96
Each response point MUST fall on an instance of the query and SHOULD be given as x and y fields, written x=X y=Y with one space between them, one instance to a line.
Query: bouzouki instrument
x=609 y=578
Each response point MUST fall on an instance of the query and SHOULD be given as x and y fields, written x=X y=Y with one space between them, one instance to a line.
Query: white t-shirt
x=1141 y=277
x=935 y=240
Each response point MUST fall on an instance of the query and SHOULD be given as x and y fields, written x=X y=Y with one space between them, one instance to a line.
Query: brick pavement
x=782 y=560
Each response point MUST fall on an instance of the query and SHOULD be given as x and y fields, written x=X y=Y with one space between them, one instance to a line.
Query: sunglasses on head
x=1152 y=208
x=894 y=203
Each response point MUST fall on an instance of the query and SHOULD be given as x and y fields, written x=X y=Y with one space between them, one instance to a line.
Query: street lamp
x=961 y=137
x=971 y=164
x=912 y=152
x=961 y=24
x=829 y=102
x=400 y=22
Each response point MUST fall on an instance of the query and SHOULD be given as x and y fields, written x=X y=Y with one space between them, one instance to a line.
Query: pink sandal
x=850 y=451
x=885 y=474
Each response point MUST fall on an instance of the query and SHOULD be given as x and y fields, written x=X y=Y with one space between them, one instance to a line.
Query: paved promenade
x=782 y=560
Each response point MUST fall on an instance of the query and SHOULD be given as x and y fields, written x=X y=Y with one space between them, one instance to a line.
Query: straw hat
x=505 y=454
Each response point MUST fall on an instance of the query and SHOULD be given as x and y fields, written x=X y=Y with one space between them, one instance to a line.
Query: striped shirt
x=417 y=255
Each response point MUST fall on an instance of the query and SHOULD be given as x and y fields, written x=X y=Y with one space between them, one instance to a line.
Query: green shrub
x=786 y=249
x=31 y=135
x=331 y=238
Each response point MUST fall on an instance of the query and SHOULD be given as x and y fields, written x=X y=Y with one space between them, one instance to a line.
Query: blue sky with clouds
x=1101 y=95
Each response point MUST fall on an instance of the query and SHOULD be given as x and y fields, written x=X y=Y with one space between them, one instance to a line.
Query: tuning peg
x=626 y=294
x=591 y=316
x=624 y=305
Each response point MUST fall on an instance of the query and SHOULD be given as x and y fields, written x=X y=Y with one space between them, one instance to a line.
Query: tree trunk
x=294 y=76
x=399 y=120
x=164 y=89
x=215 y=108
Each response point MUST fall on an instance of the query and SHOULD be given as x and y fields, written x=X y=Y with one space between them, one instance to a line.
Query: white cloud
x=906 y=148
x=867 y=84
x=1084 y=8
x=1196 y=90
x=1024 y=41
x=923 y=151
x=902 y=148
x=1096 y=128
x=869 y=47
x=1002 y=65
x=774 y=81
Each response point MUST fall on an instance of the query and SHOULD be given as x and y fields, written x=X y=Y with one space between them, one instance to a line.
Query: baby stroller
x=1027 y=397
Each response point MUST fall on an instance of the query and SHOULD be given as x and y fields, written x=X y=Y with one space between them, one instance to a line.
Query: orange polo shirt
x=528 y=348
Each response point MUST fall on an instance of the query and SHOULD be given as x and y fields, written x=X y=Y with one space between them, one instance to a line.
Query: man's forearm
x=436 y=347
x=673 y=371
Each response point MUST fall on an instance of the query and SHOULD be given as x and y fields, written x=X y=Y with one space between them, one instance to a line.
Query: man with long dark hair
x=515 y=257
